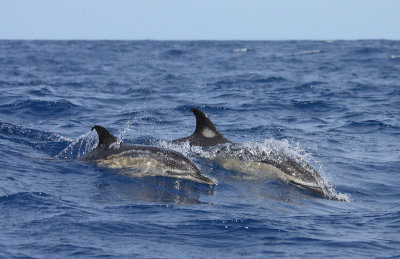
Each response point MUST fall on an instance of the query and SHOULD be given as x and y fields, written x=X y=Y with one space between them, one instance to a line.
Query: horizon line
x=155 y=39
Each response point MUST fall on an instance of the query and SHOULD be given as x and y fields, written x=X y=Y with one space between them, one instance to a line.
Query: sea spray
x=79 y=146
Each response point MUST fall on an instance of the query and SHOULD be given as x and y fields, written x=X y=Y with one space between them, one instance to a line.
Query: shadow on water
x=115 y=188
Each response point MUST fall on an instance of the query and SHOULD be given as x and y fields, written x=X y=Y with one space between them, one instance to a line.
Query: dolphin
x=140 y=160
x=255 y=162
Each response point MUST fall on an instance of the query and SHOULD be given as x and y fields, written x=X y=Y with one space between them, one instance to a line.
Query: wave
x=367 y=50
x=248 y=80
x=26 y=200
x=314 y=105
x=39 y=108
x=174 y=53
x=11 y=83
x=271 y=79
x=43 y=91
x=369 y=126
x=51 y=143
x=308 y=52
x=310 y=85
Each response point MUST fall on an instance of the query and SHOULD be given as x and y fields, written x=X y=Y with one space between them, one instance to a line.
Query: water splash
x=79 y=147
x=247 y=150
x=89 y=140
x=124 y=131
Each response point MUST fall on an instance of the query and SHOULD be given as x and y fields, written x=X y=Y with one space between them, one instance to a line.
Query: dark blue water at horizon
x=334 y=103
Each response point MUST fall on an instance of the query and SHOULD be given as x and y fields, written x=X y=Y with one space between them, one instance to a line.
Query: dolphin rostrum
x=255 y=161
x=141 y=160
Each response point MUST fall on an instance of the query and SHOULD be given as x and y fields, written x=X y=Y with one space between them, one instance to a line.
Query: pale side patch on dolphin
x=259 y=170
x=146 y=166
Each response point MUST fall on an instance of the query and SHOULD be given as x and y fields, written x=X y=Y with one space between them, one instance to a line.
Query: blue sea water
x=334 y=103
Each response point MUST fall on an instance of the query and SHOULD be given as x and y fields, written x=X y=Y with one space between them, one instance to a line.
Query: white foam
x=306 y=52
x=240 y=50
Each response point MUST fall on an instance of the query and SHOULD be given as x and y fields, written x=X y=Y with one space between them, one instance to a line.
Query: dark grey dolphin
x=256 y=161
x=140 y=160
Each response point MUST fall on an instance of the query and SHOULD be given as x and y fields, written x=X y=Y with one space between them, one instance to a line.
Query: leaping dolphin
x=139 y=160
x=255 y=162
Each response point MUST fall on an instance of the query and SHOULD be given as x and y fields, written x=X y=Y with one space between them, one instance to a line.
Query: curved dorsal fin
x=205 y=134
x=203 y=123
x=105 y=137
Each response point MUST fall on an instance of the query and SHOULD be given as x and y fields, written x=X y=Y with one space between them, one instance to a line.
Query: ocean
x=335 y=104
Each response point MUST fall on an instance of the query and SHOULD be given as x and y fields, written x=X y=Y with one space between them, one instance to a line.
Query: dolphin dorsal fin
x=105 y=137
x=204 y=126
x=205 y=134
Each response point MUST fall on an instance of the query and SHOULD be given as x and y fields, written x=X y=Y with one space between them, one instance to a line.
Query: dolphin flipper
x=205 y=134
